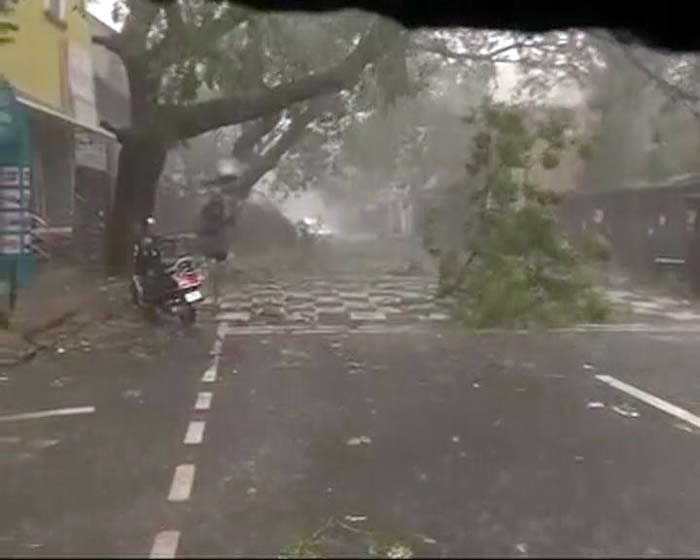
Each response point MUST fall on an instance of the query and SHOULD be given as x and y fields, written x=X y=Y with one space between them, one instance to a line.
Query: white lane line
x=209 y=375
x=651 y=400
x=181 y=487
x=216 y=349
x=195 y=432
x=203 y=401
x=165 y=544
x=48 y=413
x=222 y=330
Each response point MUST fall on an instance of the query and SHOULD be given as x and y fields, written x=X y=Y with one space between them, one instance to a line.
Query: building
x=50 y=67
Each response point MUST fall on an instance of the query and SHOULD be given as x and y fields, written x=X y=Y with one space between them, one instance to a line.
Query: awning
x=70 y=120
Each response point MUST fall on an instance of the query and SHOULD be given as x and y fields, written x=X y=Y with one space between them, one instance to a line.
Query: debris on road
x=354 y=441
x=588 y=367
x=398 y=550
x=521 y=548
x=44 y=443
x=578 y=458
x=355 y=518
x=60 y=350
x=132 y=394
x=595 y=404
x=626 y=410
x=298 y=354
x=252 y=491
x=455 y=439
x=686 y=428
x=476 y=384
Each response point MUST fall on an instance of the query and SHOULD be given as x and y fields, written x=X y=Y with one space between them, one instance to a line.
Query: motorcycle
x=177 y=294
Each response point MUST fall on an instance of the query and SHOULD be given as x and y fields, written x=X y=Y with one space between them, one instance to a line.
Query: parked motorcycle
x=176 y=292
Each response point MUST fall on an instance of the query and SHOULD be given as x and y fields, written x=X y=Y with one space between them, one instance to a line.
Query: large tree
x=169 y=49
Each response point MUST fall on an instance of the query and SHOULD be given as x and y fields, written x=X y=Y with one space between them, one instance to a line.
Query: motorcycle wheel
x=188 y=316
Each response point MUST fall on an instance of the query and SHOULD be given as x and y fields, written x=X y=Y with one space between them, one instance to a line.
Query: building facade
x=49 y=64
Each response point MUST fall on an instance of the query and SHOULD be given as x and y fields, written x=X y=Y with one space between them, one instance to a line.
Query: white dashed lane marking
x=203 y=401
x=165 y=544
x=210 y=374
x=651 y=400
x=183 y=480
x=195 y=432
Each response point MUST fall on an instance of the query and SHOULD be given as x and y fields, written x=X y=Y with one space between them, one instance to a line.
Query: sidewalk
x=57 y=297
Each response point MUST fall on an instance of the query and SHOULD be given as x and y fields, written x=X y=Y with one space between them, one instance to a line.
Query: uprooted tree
x=502 y=254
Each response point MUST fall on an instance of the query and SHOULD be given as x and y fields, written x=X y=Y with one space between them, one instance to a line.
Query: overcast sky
x=102 y=9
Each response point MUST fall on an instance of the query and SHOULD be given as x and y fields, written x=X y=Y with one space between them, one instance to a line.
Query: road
x=346 y=416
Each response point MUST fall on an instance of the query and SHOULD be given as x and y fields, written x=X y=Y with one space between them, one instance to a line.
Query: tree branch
x=277 y=149
x=245 y=143
x=676 y=93
x=138 y=23
x=200 y=117
x=442 y=50
x=112 y=43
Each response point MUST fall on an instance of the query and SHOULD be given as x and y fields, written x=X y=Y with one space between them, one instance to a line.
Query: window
x=55 y=10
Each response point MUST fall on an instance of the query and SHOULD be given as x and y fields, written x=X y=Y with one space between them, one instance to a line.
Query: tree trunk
x=141 y=161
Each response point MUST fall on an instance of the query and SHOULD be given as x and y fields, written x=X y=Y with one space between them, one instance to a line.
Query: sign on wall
x=15 y=187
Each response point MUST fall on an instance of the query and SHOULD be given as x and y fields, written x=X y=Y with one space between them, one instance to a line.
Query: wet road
x=365 y=436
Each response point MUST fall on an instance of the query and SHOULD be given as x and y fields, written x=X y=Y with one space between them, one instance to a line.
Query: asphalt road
x=405 y=437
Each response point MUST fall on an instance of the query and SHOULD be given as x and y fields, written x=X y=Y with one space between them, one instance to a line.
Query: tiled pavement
x=397 y=301
x=654 y=307
x=345 y=301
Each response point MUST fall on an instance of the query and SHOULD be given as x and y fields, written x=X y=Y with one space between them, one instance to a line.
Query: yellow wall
x=32 y=62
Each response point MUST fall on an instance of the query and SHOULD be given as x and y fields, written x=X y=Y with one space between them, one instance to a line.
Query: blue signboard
x=15 y=190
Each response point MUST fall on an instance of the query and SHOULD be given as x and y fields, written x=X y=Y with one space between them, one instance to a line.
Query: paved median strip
x=651 y=400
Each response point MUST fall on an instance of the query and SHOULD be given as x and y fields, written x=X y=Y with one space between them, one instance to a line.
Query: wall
x=32 y=63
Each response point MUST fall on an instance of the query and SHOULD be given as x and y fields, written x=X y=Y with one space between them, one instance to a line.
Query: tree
x=168 y=48
x=643 y=99
x=502 y=254
x=7 y=28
